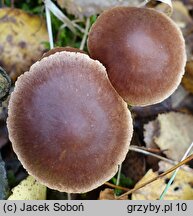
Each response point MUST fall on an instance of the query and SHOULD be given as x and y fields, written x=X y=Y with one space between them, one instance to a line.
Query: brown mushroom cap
x=60 y=49
x=68 y=126
x=143 y=51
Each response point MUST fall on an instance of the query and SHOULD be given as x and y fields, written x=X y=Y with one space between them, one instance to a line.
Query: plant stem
x=49 y=26
x=85 y=33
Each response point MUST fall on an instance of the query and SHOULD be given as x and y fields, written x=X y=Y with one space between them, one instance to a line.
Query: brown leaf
x=187 y=80
x=108 y=194
x=164 y=6
x=180 y=14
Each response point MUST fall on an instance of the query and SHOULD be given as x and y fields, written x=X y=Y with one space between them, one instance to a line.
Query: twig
x=175 y=173
x=116 y=186
x=153 y=150
x=157 y=177
x=85 y=33
x=143 y=151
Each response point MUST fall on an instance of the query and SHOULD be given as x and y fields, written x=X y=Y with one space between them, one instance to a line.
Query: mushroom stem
x=69 y=196
x=85 y=34
x=12 y=3
x=119 y=175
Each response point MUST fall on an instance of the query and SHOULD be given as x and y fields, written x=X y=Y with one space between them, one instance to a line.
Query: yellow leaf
x=28 y=189
x=175 y=134
x=181 y=188
x=21 y=40
x=108 y=194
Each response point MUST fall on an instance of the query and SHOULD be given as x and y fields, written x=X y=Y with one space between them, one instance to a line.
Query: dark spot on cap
x=22 y=44
x=9 y=38
x=167 y=181
x=176 y=188
x=7 y=18
x=1 y=49
x=191 y=184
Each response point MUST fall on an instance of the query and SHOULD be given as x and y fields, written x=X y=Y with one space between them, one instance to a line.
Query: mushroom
x=67 y=124
x=60 y=49
x=143 y=51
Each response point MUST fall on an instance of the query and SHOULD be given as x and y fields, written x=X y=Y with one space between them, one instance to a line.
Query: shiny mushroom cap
x=143 y=51
x=68 y=126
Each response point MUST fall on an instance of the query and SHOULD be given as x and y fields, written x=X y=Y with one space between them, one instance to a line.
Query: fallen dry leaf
x=175 y=134
x=187 y=80
x=151 y=129
x=108 y=194
x=181 y=188
x=182 y=18
x=180 y=14
x=21 y=40
x=28 y=189
x=164 y=6
x=171 y=132
x=87 y=8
